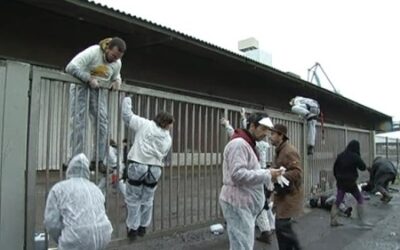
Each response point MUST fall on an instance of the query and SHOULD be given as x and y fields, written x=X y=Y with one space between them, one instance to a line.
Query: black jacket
x=382 y=169
x=346 y=165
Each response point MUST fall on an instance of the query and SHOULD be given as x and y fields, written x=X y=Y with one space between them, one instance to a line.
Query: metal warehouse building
x=162 y=69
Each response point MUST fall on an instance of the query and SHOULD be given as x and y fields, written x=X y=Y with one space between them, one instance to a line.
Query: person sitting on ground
x=381 y=173
x=326 y=202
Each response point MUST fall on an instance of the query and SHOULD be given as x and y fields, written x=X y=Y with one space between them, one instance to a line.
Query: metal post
x=306 y=170
x=171 y=173
x=397 y=151
x=205 y=162
x=32 y=165
x=192 y=164
x=387 y=147
x=199 y=161
x=212 y=140
x=185 y=141
x=178 y=165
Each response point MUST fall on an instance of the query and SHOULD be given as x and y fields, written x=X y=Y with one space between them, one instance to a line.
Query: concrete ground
x=313 y=230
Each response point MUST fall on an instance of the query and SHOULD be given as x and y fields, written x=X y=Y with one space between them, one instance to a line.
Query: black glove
x=280 y=191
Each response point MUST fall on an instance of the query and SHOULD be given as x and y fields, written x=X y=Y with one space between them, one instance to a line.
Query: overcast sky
x=357 y=42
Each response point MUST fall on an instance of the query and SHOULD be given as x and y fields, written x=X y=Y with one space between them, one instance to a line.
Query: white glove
x=243 y=112
x=281 y=179
x=224 y=122
x=115 y=85
x=93 y=83
x=127 y=102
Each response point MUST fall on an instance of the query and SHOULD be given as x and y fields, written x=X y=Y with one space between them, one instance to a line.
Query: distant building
x=396 y=125
x=251 y=49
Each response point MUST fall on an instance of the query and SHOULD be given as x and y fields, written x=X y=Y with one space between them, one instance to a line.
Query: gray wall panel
x=13 y=155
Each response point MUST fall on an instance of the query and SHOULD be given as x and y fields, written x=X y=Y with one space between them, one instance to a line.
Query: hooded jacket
x=75 y=215
x=346 y=165
x=382 y=170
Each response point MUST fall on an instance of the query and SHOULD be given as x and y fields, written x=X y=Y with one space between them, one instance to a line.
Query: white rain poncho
x=75 y=214
x=263 y=148
x=242 y=194
x=265 y=220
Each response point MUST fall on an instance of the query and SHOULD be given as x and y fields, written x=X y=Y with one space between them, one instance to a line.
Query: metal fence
x=326 y=151
x=189 y=187
x=388 y=148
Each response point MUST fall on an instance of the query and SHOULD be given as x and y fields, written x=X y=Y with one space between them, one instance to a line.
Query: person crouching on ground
x=381 y=173
x=75 y=214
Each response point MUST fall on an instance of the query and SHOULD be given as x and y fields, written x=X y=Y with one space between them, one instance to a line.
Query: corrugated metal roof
x=176 y=32
x=147 y=24
x=220 y=49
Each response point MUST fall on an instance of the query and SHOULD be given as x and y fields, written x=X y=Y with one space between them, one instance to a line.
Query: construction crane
x=312 y=74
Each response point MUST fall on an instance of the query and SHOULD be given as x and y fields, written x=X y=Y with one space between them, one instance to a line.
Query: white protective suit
x=75 y=215
x=242 y=194
x=111 y=161
x=152 y=144
x=266 y=219
x=90 y=63
x=308 y=109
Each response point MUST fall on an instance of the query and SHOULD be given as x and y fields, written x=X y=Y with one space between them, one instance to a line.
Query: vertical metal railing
x=191 y=180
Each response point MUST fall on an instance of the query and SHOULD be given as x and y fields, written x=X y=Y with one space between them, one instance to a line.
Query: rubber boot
x=265 y=237
x=334 y=215
x=345 y=210
x=141 y=231
x=386 y=197
x=132 y=234
x=361 y=218
x=310 y=150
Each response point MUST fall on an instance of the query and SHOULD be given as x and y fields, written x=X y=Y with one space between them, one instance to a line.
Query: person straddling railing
x=101 y=62
x=309 y=110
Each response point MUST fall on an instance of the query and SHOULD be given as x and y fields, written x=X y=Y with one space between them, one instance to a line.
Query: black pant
x=287 y=238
